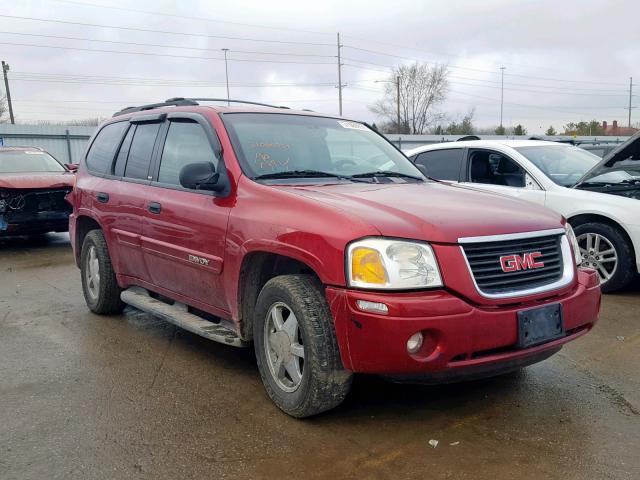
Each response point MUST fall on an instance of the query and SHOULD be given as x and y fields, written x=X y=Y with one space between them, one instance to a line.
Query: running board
x=178 y=315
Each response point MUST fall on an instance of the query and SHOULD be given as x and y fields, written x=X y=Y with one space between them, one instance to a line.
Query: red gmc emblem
x=515 y=263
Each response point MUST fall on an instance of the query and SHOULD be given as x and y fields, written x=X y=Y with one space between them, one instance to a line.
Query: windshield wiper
x=386 y=173
x=304 y=174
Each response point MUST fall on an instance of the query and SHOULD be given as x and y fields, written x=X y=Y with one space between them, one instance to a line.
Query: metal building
x=67 y=144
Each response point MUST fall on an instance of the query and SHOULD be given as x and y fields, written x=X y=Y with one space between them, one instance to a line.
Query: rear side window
x=141 y=150
x=186 y=143
x=442 y=164
x=121 y=159
x=103 y=149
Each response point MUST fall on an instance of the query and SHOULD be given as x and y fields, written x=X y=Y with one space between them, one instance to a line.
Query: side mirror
x=72 y=167
x=201 y=176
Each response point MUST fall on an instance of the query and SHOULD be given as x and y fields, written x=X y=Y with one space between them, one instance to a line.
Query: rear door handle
x=155 y=207
x=102 y=197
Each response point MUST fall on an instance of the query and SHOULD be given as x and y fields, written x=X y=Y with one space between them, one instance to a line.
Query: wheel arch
x=582 y=218
x=84 y=224
x=257 y=268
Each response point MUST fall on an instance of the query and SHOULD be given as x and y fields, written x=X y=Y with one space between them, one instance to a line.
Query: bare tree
x=422 y=89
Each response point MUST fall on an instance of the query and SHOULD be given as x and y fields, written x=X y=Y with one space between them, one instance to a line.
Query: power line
x=151 y=54
x=478 y=70
x=187 y=17
x=167 y=32
x=139 y=44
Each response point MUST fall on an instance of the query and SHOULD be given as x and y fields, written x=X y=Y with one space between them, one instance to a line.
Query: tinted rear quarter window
x=442 y=164
x=121 y=159
x=103 y=149
x=141 y=150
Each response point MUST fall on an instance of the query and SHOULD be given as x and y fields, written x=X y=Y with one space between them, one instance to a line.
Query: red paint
x=515 y=263
x=313 y=224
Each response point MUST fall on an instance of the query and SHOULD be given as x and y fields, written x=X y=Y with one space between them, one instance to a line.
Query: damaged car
x=598 y=196
x=33 y=186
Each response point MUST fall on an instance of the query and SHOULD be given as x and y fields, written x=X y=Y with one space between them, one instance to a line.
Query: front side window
x=563 y=164
x=442 y=164
x=272 y=144
x=103 y=149
x=141 y=150
x=28 y=161
x=494 y=168
x=186 y=143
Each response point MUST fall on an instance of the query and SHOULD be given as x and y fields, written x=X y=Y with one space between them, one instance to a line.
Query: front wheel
x=296 y=348
x=605 y=249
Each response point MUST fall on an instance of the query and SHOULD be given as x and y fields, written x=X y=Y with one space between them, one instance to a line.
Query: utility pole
x=630 y=96
x=339 y=76
x=501 y=94
x=398 y=101
x=226 y=73
x=5 y=69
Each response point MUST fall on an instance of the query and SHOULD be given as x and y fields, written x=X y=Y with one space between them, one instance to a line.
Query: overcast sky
x=568 y=60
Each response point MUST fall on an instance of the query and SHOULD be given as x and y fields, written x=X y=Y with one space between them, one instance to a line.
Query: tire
x=102 y=294
x=323 y=383
x=624 y=271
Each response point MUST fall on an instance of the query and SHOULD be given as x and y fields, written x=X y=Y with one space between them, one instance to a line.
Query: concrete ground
x=89 y=397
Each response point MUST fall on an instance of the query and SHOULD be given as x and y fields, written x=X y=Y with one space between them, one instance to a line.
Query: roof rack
x=180 y=102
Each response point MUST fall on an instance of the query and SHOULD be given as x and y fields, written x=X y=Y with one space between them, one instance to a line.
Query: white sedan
x=599 y=197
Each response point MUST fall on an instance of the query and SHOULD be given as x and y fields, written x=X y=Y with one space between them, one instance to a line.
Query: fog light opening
x=414 y=343
x=374 y=307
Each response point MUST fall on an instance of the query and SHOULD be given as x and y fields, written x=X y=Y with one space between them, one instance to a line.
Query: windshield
x=282 y=145
x=563 y=164
x=28 y=161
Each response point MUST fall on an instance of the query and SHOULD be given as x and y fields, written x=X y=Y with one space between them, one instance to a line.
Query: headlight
x=378 y=263
x=573 y=241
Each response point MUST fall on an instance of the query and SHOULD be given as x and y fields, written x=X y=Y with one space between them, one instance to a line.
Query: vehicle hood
x=37 y=180
x=432 y=211
x=627 y=151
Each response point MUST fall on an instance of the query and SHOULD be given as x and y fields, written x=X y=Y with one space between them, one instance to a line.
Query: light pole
x=397 y=82
x=501 y=95
x=226 y=73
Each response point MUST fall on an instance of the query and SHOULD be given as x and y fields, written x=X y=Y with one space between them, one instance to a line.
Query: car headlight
x=573 y=241
x=378 y=263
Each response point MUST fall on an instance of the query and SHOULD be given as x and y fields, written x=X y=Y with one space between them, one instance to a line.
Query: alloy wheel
x=92 y=273
x=284 y=347
x=598 y=252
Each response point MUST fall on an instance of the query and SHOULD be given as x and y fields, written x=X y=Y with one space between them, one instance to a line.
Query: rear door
x=128 y=189
x=184 y=230
x=498 y=172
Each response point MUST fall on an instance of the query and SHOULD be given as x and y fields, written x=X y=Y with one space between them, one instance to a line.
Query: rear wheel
x=296 y=348
x=99 y=285
x=605 y=249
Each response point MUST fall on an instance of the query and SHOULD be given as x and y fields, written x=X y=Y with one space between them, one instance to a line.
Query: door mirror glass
x=201 y=176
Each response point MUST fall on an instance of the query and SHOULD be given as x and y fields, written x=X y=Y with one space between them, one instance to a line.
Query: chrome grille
x=486 y=268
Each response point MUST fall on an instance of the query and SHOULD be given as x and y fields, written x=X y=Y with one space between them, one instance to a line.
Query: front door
x=184 y=230
x=496 y=172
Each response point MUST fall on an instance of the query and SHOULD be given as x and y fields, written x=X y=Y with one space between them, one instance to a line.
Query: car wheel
x=296 y=348
x=605 y=249
x=99 y=285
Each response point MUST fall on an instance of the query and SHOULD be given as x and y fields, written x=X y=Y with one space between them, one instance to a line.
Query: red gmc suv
x=317 y=240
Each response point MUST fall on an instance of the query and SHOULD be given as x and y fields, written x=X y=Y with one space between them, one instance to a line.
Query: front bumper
x=34 y=223
x=462 y=339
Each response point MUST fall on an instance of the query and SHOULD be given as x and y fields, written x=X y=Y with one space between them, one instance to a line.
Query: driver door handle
x=155 y=207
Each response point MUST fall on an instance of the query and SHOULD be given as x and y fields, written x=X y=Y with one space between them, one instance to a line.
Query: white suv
x=599 y=197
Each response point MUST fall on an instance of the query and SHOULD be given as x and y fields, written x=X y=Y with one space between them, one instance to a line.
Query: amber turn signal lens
x=367 y=266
